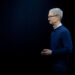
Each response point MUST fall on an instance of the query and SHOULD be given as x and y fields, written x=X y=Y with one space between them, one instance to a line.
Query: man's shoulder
x=64 y=29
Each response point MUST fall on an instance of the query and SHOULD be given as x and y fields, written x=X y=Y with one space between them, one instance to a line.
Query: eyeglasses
x=52 y=16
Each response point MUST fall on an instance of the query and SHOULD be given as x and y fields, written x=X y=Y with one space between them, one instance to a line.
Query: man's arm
x=67 y=42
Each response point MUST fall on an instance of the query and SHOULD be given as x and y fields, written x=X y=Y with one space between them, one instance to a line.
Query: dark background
x=25 y=31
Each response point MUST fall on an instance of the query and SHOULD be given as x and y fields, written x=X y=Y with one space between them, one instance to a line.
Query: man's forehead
x=50 y=13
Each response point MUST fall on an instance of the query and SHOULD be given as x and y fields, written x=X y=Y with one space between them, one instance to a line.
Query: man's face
x=52 y=18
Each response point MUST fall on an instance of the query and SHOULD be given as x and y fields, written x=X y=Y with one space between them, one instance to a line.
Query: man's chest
x=56 y=37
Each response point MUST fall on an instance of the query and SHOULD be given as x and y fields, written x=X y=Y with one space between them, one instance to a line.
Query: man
x=61 y=43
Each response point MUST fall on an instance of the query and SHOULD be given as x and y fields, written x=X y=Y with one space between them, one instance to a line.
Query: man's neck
x=56 y=24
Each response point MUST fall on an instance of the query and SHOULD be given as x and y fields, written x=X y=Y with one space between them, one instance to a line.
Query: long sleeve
x=61 y=42
x=67 y=44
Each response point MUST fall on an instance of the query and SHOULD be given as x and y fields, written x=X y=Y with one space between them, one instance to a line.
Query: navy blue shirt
x=61 y=42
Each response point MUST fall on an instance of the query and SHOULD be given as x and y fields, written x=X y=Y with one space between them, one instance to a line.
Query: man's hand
x=46 y=52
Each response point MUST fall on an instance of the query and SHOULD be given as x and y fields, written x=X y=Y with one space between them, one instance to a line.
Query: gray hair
x=57 y=11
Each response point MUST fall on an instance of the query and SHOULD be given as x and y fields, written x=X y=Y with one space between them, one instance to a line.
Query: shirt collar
x=58 y=25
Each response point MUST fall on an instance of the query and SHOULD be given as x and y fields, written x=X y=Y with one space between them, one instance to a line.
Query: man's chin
x=50 y=23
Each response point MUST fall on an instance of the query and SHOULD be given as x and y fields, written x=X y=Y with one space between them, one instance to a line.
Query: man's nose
x=48 y=18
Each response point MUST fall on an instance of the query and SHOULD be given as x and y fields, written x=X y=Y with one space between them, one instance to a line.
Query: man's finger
x=45 y=50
